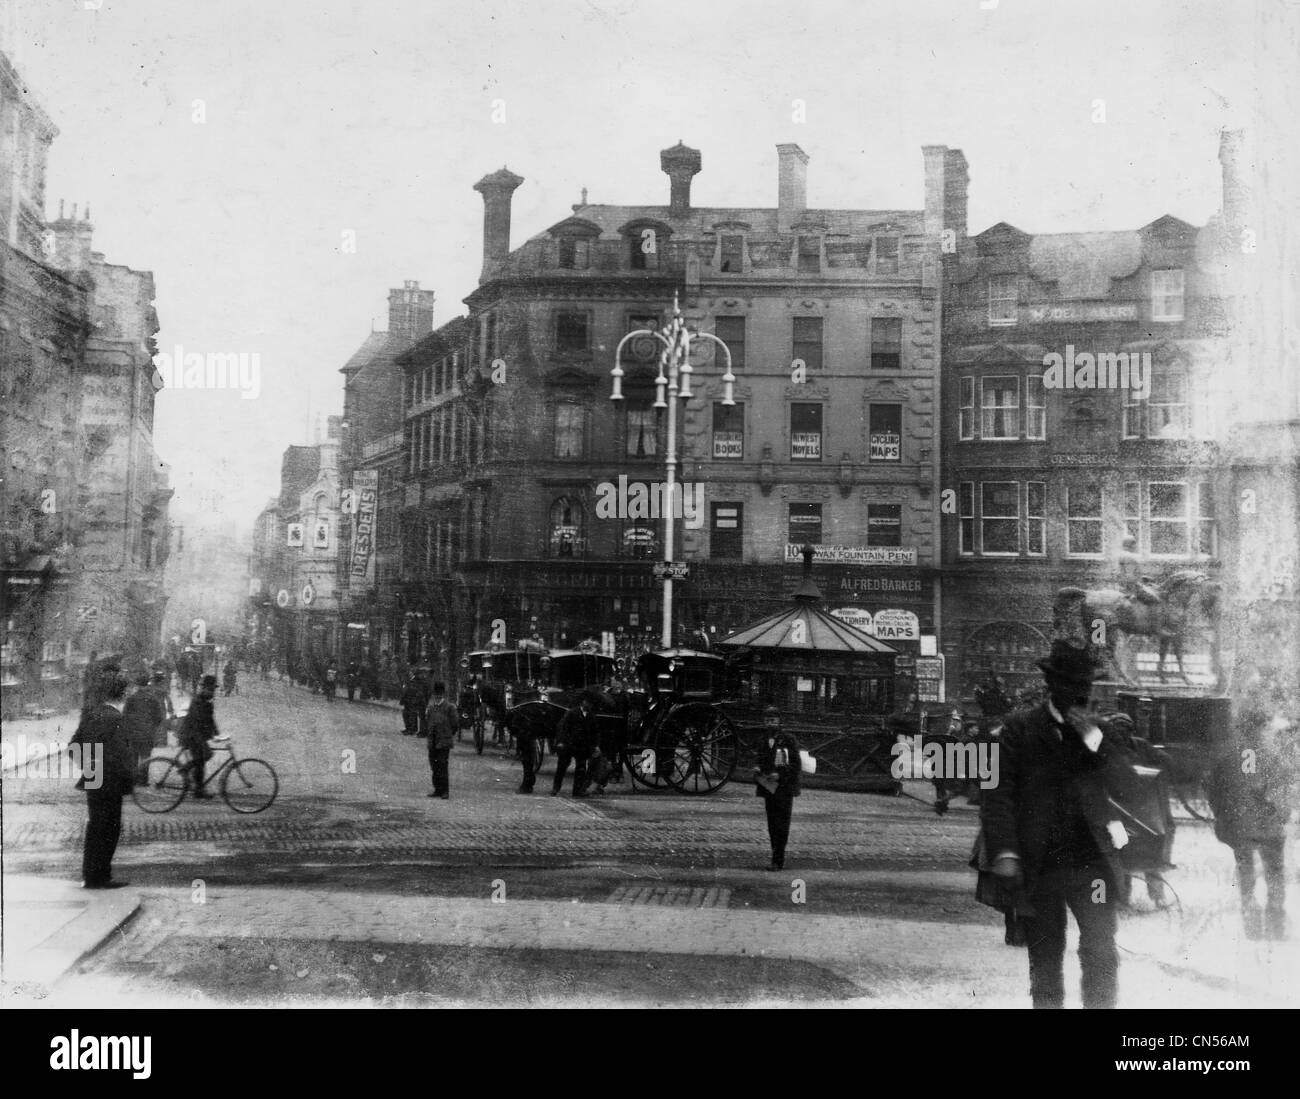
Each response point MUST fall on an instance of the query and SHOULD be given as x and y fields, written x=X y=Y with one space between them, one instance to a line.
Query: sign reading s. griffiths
x=856 y=555
x=365 y=489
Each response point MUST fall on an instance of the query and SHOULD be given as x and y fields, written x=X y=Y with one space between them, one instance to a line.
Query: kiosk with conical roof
x=832 y=683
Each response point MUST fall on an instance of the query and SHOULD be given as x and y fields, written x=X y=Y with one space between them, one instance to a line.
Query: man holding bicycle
x=199 y=726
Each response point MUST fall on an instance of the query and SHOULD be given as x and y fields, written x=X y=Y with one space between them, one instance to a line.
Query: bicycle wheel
x=249 y=785
x=163 y=787
x=539 y=753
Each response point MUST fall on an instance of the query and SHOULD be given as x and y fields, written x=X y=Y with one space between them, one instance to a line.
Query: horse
x=1168 y=620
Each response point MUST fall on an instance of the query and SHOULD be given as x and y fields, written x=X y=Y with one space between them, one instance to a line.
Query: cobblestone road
x=353 y=851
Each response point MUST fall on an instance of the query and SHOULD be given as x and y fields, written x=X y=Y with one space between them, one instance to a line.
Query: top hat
x=1069 y=662
x=208 y=681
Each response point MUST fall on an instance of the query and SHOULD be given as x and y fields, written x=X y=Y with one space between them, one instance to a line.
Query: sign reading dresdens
x=365 y=488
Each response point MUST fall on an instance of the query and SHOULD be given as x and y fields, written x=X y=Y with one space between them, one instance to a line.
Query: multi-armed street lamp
x=674 y=382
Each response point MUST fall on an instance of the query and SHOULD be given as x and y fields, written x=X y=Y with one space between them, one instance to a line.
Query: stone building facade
x=832 y=319
x=1042 y=484
x=84 y=495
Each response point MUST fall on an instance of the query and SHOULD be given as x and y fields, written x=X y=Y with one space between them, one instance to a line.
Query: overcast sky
x=376 y=116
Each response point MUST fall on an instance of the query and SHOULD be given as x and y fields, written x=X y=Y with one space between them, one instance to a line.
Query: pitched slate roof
x=762 y=221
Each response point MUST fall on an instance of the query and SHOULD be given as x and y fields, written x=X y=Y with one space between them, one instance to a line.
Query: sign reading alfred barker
x=856 y=555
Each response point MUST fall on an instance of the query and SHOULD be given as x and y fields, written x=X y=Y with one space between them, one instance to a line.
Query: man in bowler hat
x=108 y=773
x=1045 y=836
x=776 y=781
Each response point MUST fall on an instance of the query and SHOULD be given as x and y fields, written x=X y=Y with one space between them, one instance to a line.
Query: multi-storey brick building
x=1045 y=483
x=124 y=488
x=85 y=497
x=372 y=461
x=293 y=571
x=832 y=320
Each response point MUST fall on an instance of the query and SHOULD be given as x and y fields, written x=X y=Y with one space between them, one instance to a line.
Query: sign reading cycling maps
x=856 y=555
x=365 y=490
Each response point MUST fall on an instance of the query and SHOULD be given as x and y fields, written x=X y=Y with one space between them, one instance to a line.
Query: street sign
x=929 y=678
x=671 y=570
x=87 y=614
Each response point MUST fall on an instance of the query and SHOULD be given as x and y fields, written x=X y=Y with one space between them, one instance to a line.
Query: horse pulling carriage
x=668 y=728
x=1189 y=720
x=1190 y=730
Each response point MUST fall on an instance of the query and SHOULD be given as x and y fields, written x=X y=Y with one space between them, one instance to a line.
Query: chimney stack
x=72 y=241
x=496 y=190
x=946 y=184
x=681 y=164
x=1238 y=166
x=792 y=186
x=410 y=312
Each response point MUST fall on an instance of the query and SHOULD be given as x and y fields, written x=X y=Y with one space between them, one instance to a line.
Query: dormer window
x=809 y=256
x=643 y=250
x=886 y=255
x=575 y=253
x=1003 y=299
x=731 y=253
x=1167 y=295
x=573 y=237
x=646 y=240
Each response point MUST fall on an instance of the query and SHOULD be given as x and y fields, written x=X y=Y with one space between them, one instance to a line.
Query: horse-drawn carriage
x=668 y=727
x=1190 y=730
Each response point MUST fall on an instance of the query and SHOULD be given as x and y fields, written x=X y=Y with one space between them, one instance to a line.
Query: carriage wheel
x=648 y=755
x=704 y=746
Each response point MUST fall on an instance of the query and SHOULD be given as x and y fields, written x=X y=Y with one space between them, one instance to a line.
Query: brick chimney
x=792 y=185
x=1237 y=162
x=496 y=190
x=946 y=184
x=410 y=312
x=681 y=164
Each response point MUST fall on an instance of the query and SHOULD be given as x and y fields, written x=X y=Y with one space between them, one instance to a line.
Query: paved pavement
x=890 y=962
x=354 y=851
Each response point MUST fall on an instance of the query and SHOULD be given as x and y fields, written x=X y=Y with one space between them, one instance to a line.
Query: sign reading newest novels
x=856 y=555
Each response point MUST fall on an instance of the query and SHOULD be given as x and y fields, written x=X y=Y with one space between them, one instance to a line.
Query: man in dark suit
x=199 y=726
x=776 y=781
x=577 y=738
x=1250 y=790
x=108 y=774
x=142 y=714
x=1044 y=827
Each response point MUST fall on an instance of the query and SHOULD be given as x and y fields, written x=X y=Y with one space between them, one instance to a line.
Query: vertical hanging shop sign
x=365 y=491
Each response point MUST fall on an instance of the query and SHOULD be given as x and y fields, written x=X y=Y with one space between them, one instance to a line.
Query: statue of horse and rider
x=1167 y=611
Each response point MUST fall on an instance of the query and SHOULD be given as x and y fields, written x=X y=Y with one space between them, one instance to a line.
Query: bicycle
x=247 y=785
